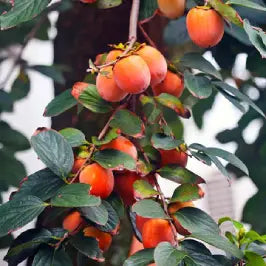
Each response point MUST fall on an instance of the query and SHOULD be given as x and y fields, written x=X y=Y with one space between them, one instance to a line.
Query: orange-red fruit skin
x=78 y=88
x=122 y=144
x=156 y=231
x=172 y=8
x=104 y=239
x=77 y=165
x=156 y=63
x=72 y=221
x=100 y=179
x=88 y=1
x=140 y=221
x=205 y=27
x=113 y=55
x=172 y=84
x=107 y=87
x=173 y=157
x=132 y=74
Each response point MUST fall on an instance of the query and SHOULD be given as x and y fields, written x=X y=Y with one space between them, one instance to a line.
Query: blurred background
x=38 y=62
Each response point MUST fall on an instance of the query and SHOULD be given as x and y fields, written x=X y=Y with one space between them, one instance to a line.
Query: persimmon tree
x=91 y=183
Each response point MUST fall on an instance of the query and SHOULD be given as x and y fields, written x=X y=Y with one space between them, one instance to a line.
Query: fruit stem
x=163 y=201
x=133 y=22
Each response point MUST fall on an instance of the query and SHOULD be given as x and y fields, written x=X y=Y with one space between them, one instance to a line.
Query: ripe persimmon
x=100 y=179
x=205 y=26
x=78 y=88
x=172 y=8
x=107 y=87
x=132 y=74
x=88 y=1
x=173 y=208
x=78 y=162
x=172 y=84
x=104 y=239
x=73 y=221
x=122 y=144
x=156 y=63
x=156 y=231
x=113 y=55
x=173 y=157
x=140 y=221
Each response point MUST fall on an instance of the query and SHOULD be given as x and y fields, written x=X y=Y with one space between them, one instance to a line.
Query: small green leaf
x=129 y=123
x=75 y=195
x=109 y=158
x=166 y=254
x=187 y=192
x=180 y=175
x=149 y=109
x=54 y=151
x=140 y=258
x=19 y=212
x=254 y=236
x=236 y=224
x=73 y=136
x=96 y=214
x=149 y=208
x=111 y=134
x=161 y=141
x=104 y=4
x=144 y=189
x=254 y=259
x=60 y=104
x=198 y=86
x=21 y=86
x=246 y=3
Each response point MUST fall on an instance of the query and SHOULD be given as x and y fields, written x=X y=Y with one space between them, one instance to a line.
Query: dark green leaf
x=197 y=61
x=187 y=192
x=247 y=3
x=21 y=86
x=6 y=102
x=73 y=136
x=140 y=258
x=19 y=212
x=23 y=10
x=144 y=189
x=149 y=208
x=60 y=104
x=111 y=134
x=202 y=157
x=204 y=228
x=103 y=4
x=75 y=195
x=117 y=204
x=166 y=254
x=96 y=214
x=180 y=175
x=161 y=141
x=109 y=158
x=42 y=184
x=5 y=241
x=149 y=109
x=147 y=8
x=129 y=123
x=54 y=151
x=198 y=86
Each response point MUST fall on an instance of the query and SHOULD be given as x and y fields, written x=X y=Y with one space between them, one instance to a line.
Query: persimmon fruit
x=172 y=8
x=88 y=1
x=113 y=55
x=173 y=157
x=100 y=179
x=156 y=231
x=78 y=88
x=140 y=221
x=107 y=87
x=172 y=84
x=78 y=162
x=156 y=63
x=73 y=221
x=104 y=239
x=132 y=74
x=205 y=26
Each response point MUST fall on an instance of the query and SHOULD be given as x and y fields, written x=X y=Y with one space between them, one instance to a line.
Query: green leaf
x=26 y=244
x=12 y=139
x=149 y=208
x=54 y=151
x=6 y=102
x=88 y=246
x=109 y=158
x=236 y=224
x=202 y=157
x=5 y=241
x=257 y=37
x=23 y=10
x=246 y=3
x=254 y=259
x=166 y=254
x=180 y=175
x=161 y=141
x=203 y=227
x=121 y=121
x=149 y=109
x=96 y=214
x=104 y=4
x=144 y=189
x=140 y=258
x=52 y=72
x=198 y=86
x=75 y=195
x=19 y=212
x=48 y=256
x=91 y=99
x=254 y=236
x=73 y=136
x=117 y=204
x=147 y=8
x=111 y=134
x=60 y=104
x=42 y=184
x=187 y=192
x=226 y=11
x=21 y=86
x=197 y=61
